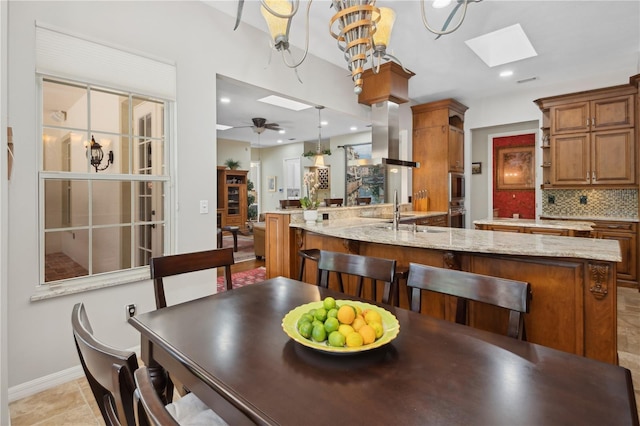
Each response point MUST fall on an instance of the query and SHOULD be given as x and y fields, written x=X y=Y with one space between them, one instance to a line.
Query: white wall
x=4 y=376
x=236 y=150
x=40 y=343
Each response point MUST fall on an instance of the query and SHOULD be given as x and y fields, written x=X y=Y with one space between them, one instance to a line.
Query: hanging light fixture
x=95 y=150
x=361 y=29
x=319 y=160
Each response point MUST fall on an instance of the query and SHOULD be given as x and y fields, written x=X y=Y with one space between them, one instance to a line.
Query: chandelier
x=362 y=30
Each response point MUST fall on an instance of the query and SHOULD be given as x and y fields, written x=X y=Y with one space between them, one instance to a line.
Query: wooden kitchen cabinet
x=626 y=234
x=601 y=114
x=598 y=158
x=438 y=220
x=592 y=140
x=438 y=144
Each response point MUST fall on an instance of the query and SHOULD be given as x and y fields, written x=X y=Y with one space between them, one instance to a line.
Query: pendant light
x=319 y=160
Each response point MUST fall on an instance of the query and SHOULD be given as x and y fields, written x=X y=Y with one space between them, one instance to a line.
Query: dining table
x=231 y=351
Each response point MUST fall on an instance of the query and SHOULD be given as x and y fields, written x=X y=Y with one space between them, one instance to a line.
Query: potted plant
x=232 y=164
x=310 y=201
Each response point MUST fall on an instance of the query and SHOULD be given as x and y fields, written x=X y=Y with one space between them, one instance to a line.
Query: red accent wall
x=522 y=202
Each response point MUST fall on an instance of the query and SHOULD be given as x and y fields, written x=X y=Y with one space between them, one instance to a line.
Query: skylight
x=503 y=46
x=284 y=103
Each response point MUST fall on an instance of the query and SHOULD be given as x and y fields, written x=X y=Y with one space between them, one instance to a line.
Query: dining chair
x=308 y=254
x=363 y=200
x=373 y=268
x=188 y=410
x=108 y=370
x=177 y=264
x=290 y=204
x=333 y=201
x=504 y=293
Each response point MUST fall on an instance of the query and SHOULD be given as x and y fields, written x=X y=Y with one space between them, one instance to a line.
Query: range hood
x=385 y=142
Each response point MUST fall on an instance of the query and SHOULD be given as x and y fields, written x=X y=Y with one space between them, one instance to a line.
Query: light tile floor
x=73 y=403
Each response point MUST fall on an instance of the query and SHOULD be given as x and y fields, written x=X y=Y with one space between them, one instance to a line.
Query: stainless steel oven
x=457 y=214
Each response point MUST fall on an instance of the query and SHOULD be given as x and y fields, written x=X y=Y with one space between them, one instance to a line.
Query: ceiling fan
x=260 y=125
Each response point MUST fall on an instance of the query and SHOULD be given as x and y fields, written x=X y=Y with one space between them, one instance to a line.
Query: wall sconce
x=97 y=155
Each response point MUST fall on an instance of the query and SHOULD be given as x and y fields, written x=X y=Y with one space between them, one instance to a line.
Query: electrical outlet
x=583 y=199
x=204 y=206
x=130 y=310
x=551 y=199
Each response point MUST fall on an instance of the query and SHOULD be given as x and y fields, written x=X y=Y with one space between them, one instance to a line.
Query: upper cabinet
x=438 y=144
x=589 y=138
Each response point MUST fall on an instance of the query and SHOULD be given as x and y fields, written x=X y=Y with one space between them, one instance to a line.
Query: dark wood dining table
x=231 y=351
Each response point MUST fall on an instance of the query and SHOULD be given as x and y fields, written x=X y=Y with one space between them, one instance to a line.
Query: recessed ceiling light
x=279 y=141
x=284 y=103
x=503 y=46
x=353 y=128
x=507 y=73
x=282 y=131
x=225 y=100
x=324 y=123
x=223 y=127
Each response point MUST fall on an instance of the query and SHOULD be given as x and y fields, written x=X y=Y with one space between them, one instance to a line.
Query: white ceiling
x=572 y=38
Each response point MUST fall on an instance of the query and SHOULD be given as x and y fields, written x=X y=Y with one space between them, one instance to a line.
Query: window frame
x=167 y=174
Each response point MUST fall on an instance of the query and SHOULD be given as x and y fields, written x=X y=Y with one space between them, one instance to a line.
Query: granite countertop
x=538 y=223
x=609 y=218
x=468 y=240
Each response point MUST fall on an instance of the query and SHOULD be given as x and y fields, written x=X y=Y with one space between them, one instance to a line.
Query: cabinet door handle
x=587 y=177
x=593 y=176
x=593 y=122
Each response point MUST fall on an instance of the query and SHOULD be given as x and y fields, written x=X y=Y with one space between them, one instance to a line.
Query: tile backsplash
x=590 y=202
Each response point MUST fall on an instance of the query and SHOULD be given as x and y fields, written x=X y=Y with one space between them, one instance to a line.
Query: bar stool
x=234 y=232
x=311 y=254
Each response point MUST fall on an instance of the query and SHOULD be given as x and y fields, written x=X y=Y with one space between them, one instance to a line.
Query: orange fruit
x=358 y=322
x=368 y=334
x=378 y=328
x=346 y=314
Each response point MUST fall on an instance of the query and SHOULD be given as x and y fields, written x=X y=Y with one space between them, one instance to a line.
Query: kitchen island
x=573 y=280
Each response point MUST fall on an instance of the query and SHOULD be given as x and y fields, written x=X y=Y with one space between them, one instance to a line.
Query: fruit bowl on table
x=389 y=322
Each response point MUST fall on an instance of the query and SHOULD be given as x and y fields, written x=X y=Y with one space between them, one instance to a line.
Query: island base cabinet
x=573 y=305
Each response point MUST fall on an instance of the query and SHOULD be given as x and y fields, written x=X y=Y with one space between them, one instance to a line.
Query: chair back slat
x=177 y=264
x=109 y=371
x=373 y=268
x=505 y=293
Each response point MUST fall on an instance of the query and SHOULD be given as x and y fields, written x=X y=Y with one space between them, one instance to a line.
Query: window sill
x=80 y=285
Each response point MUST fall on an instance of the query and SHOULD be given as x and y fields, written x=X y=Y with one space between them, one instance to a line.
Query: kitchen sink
x=409 y=227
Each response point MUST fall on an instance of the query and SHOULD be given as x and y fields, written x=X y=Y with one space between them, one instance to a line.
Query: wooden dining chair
x=509 y=294
x=373 y=268
x=363 y=200
x=108 y=370
x=176 y=264
x=333 y=202
x=284 y=204
x=188 y=410
x=307 y=254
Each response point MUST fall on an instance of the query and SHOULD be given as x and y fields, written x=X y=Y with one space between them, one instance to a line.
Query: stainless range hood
x=385 y=142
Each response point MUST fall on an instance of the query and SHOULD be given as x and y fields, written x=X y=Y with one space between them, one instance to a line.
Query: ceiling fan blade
x=272 y=126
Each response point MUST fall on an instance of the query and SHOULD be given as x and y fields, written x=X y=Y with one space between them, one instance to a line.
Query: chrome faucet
x=396 y=211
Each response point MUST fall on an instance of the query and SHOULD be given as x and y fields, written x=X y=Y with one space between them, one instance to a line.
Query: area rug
x=240 y=279
x=245 y=247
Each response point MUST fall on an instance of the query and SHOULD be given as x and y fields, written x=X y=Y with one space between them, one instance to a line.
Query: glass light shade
x=384 y=26
x=319 y=160
x=277 y=26
x=439 y=4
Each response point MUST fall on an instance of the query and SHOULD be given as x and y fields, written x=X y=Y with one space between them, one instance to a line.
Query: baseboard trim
x=49 y=381
x=43 y=383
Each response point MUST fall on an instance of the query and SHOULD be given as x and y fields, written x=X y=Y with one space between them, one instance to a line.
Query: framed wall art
x=515 y=168
x=476 y=168
x=271 y=183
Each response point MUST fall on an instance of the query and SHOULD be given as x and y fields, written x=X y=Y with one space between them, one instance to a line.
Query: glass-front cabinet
x=232 y=197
